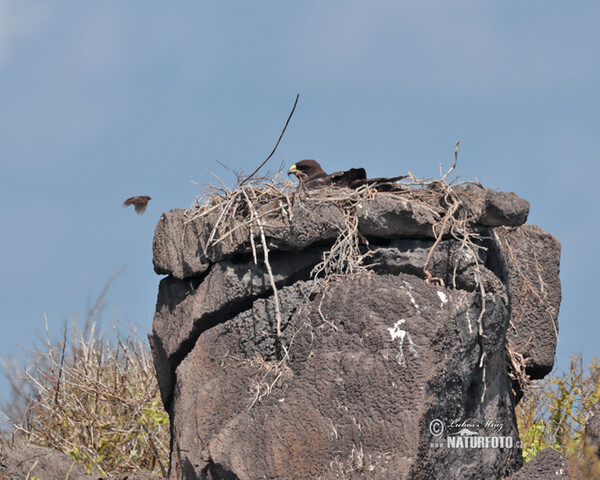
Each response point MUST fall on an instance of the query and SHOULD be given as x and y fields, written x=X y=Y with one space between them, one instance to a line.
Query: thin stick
x=263 y=239
x=482 y=312
x=430 y=278
x=62 y=360
x=276 y=145
x=481 y=364
x=480 y=332
x=454 y=164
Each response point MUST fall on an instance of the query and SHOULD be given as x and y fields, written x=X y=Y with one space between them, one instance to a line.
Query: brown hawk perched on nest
x=139 y=203
x=311 y=176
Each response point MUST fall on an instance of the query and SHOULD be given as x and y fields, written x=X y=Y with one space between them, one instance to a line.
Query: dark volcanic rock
x=185 y=308
x=527 y=259
x=492 y=208
x=177 y=246
x=455 y=266
x=180 y=238
x=389 y=216
x=27 y=461
x=181 y=246
x=369 y=364
x=354 y=395
x=545 y=465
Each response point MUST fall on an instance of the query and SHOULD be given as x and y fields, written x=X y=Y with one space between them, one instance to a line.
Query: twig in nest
x=453 y=165
x=276 y=145
x=218 y=222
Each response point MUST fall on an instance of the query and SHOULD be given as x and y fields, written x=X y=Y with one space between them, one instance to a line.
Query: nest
x=249 y=208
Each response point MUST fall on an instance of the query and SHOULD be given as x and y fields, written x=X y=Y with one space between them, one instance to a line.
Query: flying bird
x=139 y=203
x=311 y=176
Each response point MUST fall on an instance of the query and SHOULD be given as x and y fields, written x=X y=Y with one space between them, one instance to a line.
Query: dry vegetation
x=92 y=397
x=553 y=414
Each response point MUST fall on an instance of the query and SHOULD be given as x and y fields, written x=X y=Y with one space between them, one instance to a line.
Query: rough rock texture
x=493 y=209
x=527 y=259
x=546 y=465
x=352 y=391
x=31 y=461
x=181 y=236
x=187 y=307
x=377 y=373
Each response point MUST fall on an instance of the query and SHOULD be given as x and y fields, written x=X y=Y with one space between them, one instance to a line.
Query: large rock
x=370 y=365
x=355 y=393
x=453 y=265
x=181 y=239
x=492 y=208
x=546 y=465
x=527 y=259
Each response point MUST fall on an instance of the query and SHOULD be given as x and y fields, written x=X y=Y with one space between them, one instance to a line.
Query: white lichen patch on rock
x=410 y=295
x=397 y=333
x=443 y=297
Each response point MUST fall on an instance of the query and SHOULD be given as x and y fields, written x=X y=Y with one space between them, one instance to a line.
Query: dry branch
x=263 y=240
x=276 y=145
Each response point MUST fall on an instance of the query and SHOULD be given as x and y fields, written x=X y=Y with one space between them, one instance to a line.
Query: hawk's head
x=307 y=170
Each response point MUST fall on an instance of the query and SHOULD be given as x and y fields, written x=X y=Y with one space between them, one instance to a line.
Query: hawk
x=311 y=176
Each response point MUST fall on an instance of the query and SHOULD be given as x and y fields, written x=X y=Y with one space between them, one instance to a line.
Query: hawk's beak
x=293 y=170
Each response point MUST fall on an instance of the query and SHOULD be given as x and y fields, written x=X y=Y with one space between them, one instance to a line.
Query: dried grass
x=554 y=413
x=93 y=398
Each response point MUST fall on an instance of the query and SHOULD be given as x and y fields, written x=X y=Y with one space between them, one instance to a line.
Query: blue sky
x=104 y=100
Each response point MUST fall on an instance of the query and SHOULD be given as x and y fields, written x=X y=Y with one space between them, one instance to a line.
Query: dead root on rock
x=517 y=368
